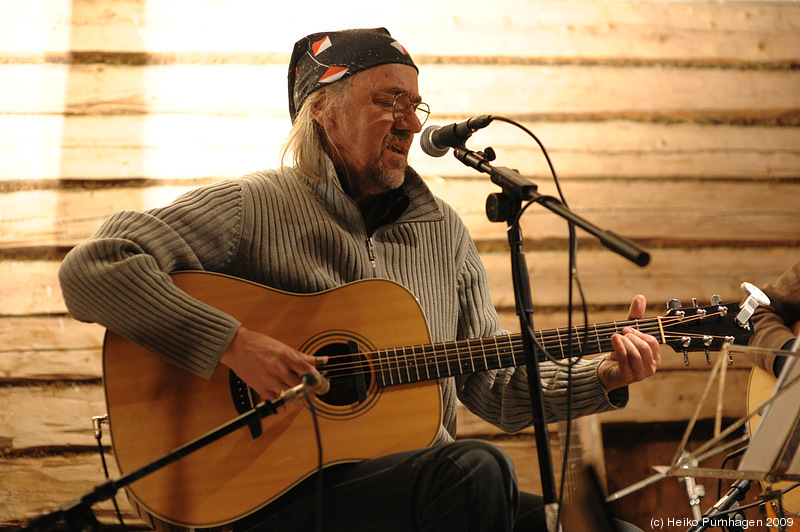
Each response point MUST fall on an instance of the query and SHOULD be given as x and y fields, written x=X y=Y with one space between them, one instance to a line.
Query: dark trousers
x=468 y=485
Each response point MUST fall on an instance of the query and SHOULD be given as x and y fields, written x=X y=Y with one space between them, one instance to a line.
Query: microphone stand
x=517 y=188
x=506 y=207
x=78 y=515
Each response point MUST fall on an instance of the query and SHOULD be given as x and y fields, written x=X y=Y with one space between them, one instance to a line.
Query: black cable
x=98 y=435
x=320 y=488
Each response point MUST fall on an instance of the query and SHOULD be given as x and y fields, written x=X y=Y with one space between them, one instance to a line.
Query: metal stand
x=507 y=207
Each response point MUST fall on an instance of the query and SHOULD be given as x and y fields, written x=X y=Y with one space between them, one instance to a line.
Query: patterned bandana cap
x=323 y=58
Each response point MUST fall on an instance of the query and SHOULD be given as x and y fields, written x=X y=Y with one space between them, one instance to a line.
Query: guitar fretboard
x=404 y=365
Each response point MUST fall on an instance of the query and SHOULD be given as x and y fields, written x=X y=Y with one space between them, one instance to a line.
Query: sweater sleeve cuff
x=588 y=395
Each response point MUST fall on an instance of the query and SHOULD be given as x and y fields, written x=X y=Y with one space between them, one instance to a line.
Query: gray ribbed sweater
x=301 y=234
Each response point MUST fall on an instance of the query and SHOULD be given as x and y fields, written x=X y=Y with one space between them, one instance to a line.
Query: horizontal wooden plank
x=608 y=279
x=241 y=90
x=703 y=211
x=690 y=210
x=31 y=287
x=31 y=486
x=745 y=31
x=172 y=146
x=57 y=348
x=72 y=215
x=49 y=416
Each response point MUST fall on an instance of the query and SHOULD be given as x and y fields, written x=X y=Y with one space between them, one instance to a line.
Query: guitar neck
x=405 y=365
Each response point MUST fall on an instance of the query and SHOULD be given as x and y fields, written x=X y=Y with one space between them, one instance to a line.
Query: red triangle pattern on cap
x=334 y=73
x=321 y=45
x=400 y=47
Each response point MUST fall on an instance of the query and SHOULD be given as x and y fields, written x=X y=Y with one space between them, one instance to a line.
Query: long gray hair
x=307 y=141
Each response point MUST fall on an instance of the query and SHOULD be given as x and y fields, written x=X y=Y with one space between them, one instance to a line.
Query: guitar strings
x=501 y=349
x=508 y=341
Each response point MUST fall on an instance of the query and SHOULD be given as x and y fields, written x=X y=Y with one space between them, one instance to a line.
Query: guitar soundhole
x=348 y=372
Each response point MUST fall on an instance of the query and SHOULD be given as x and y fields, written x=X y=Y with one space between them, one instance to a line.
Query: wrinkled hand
x=267 y=365
x=636 y=355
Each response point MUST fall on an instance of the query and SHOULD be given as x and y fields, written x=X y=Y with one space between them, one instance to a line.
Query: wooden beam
x=194 y=146
x=734 y=31
x=260 y=90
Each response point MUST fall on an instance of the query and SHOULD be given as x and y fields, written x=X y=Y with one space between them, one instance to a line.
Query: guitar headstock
x=704 y=328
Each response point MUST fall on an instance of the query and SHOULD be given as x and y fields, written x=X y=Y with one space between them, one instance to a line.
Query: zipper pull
x=371 y=254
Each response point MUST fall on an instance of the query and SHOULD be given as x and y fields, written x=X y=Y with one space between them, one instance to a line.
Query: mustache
x=405 y=137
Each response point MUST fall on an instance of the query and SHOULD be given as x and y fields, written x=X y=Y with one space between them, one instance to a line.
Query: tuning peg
x=717 y=300
x=673 y=305
x=729 y=341
x=686 y=342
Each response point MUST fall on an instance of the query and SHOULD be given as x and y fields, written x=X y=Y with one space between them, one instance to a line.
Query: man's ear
x=318 y=112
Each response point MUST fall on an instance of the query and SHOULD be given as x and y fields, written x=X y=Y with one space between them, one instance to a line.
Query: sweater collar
x=423 y=206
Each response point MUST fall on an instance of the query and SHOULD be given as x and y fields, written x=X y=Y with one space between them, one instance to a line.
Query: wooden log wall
x=671 y=122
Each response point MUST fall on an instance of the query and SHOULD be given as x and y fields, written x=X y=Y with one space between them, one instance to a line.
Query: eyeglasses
x=401 y=105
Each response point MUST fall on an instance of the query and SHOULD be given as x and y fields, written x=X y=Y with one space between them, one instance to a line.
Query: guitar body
x=155 y=407
x=759 y=389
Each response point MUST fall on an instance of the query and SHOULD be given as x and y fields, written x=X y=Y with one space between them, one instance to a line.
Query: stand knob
x=499 y=207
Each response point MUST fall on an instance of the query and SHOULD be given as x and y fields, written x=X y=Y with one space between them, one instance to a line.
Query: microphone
x=310 y=382
x=436 y=141
x=316 y=383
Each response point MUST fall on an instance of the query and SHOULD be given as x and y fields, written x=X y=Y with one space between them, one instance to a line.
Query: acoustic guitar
x=383 y=398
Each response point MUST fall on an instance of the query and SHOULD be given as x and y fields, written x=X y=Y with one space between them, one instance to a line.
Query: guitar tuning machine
x=717 y=300
x=674 y=305
x=755 y=297
x=701 y=312
x=707 y=342
x=686 y=342
x=729 y=341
